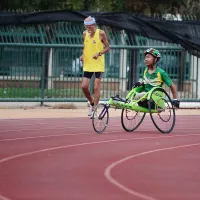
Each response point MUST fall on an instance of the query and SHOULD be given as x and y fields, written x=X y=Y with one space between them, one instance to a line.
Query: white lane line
x=73 y=127
x=111 y=125
x=107 y=172
x=33 y=129
x=61 y=135
x=80 y=144
x=60 y=147
x=4 y=198
x=56 y=128
x=15 y=130
x=141 y=129
x=39 y=119
x=43 y=136
x=90 y=143
x=33 y=124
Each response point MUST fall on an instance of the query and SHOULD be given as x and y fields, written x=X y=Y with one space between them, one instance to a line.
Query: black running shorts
x=89 y=74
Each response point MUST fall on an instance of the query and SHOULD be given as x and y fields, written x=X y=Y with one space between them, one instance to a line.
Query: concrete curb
x=9 y=105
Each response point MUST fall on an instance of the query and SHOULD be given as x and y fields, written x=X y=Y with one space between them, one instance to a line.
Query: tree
x=146 y=7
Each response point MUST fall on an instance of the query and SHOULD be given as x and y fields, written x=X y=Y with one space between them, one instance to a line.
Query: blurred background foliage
x=147 y=7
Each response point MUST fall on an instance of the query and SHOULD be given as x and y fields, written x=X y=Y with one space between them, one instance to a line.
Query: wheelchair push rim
x=161 y=110
x=131 y=119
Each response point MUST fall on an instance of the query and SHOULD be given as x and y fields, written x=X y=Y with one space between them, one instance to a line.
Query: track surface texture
x=63 y=158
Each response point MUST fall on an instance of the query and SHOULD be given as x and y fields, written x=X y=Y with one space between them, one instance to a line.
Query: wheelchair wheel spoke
x=100 y=118
x=131 y=119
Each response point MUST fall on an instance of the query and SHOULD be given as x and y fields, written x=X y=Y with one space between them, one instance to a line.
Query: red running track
x=64 y=159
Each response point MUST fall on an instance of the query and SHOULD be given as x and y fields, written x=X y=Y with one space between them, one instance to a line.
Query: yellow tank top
x=91 y=47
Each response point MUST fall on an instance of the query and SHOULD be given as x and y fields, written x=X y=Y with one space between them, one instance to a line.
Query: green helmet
x=154 y=52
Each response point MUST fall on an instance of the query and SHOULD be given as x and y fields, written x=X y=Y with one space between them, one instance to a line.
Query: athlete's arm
x=175 y=101
x=173 y=89
x=104 y=40
x=81 y=57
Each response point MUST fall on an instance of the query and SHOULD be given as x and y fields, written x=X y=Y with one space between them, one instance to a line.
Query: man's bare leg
x=85 y=88
x=97 y=88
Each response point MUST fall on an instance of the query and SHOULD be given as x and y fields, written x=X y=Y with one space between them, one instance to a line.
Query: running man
x=95 y=46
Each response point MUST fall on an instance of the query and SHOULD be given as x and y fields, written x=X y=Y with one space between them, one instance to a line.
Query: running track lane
x=59 y=159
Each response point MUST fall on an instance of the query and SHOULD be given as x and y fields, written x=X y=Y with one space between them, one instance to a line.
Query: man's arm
x=81 y=57
x=104 y=40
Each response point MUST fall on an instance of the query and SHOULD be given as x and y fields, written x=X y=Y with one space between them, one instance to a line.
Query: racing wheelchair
x=156 y=102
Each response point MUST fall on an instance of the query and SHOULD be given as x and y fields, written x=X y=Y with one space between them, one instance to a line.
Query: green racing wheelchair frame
x=156 y=102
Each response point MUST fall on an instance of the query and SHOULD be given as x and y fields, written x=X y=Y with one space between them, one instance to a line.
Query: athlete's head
x=90 y=24
x=152 y=56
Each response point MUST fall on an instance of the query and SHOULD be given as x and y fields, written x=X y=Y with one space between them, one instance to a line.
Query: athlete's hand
x=81 y=58
x=137 y=84
x=95 y=56
x=176 y=103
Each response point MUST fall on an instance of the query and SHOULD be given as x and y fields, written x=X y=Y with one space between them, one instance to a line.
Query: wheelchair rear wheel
x=161 y=110
x=131 y=119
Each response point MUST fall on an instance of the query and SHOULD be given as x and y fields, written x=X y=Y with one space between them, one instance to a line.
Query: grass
x=51 y=93
x=36 y=93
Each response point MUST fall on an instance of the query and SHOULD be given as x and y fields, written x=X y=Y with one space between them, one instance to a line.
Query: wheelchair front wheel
x=100 y=117
x=131 y=119
x=161 y=110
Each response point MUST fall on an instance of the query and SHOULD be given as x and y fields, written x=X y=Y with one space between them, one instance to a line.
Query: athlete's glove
x=137 y=84
x=176 y=103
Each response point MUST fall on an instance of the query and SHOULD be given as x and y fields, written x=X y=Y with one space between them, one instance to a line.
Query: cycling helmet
x=154 y=52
